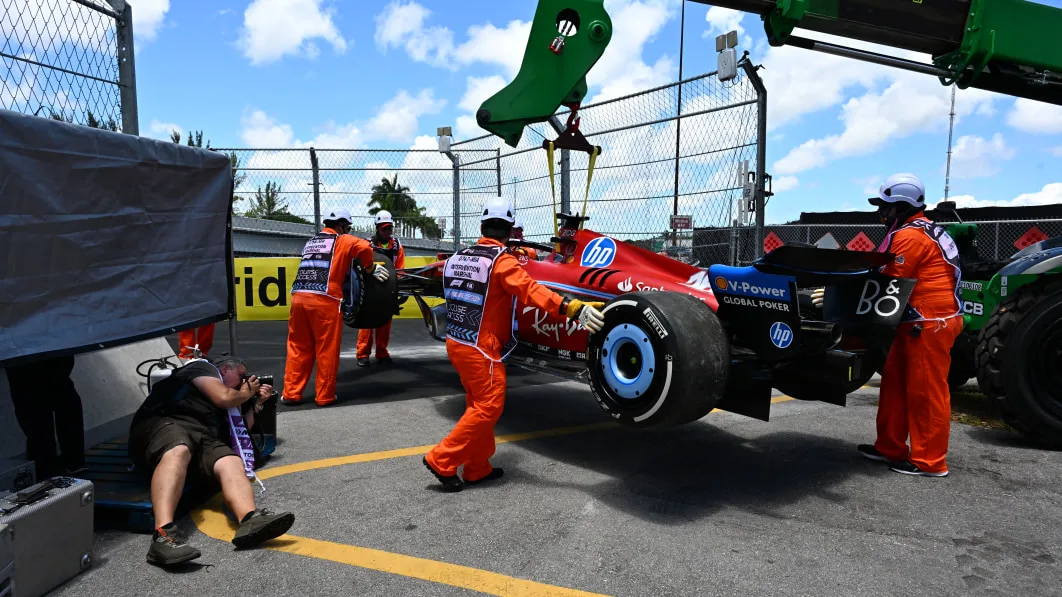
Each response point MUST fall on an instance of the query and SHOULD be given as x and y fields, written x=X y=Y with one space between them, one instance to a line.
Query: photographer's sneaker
x=169 y=547
x=910 y=468
x=260 y=526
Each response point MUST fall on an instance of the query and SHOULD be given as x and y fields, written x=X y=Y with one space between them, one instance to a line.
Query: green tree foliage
x=389 y=195
x=267 y=204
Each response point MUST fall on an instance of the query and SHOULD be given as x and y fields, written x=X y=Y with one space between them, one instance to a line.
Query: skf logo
x=721 y=283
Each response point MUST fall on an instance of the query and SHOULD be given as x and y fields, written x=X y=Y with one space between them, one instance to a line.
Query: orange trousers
x=471 y=442
x=315 y=331
x=915 y=399
x=383 y=338
x=204 y=336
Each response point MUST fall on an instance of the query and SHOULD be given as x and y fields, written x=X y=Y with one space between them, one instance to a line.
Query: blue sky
x=378 y=73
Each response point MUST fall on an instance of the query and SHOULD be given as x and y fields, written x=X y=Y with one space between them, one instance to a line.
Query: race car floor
x=724 y=506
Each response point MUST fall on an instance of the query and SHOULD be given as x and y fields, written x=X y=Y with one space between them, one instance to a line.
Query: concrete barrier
x=110 y=390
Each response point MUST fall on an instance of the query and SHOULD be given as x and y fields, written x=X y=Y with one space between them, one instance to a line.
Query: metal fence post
x=997 y=242
x=565 y=170
x=497 y=169
x=457 y=201
x=316 y=189
x=126 y=67
x=761 y=151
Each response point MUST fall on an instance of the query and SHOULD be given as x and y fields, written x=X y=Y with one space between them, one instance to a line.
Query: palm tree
x=268 y=205
x=391 y=196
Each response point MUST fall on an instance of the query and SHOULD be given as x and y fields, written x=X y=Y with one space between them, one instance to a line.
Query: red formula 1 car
x=680 y=340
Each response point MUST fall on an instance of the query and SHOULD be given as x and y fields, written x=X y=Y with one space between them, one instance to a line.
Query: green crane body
x=1013 y=47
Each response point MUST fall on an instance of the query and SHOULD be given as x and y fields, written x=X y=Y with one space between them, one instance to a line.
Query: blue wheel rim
x=628 y=361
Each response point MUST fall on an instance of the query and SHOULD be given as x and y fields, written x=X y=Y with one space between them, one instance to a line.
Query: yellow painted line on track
x=211 y=520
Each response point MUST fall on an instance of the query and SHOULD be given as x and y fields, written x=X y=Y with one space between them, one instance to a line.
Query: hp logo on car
x=599 y=252
x=781 y=335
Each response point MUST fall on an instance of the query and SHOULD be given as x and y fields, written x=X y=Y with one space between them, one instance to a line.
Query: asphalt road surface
x=724 y=506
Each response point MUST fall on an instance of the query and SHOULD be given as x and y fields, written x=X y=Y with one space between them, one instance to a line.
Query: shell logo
x=721 y=283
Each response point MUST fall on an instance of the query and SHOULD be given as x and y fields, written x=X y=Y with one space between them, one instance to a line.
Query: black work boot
x=871 y=453
x=495 y=473
x=169 y=547
x=363 y=362
x=260 y=526
x=449 y=482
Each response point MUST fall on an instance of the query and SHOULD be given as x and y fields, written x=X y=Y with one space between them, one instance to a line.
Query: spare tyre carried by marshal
x=367 y=302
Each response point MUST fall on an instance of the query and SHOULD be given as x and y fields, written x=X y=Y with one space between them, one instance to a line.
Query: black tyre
x=661 y=359
x=1018 y=360
x=376 y=302
x=963 y=361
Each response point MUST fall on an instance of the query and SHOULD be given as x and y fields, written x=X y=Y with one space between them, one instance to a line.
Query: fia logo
x=599 y=252
x=781 y=335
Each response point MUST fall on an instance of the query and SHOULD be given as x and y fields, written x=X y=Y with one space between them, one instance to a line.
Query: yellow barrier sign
x=263 y=288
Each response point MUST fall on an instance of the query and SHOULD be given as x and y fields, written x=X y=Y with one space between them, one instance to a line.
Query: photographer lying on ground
x=184 y=426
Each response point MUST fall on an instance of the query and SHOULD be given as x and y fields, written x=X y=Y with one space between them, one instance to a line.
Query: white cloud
x=500 y=46
x=161 y=130
x=1035 y=117
x=784 y=183
x=402 y=24
x=148 y=16
x=869 y=184
x=910 y=104
x=336 y=136
x=622 y=69
x=397 y=119
x=1051 y=194
x=477 y=91
x=721 y=20
x=262 y=130
x=1056 y=151
x=974 y=156
x=275 y=28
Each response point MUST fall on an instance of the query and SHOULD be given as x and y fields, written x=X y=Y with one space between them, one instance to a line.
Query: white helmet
x=498 y=208
x=339 y=214
x=519 y=225
x=901 y=188
x=384 y=217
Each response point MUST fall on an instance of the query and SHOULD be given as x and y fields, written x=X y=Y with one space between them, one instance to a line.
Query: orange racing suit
x=394 y=250
x=915 y=399
x=481 y=309
x=315 y=323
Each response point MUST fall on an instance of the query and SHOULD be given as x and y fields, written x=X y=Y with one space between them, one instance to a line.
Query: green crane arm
x=1006 y=46
x=567 y=39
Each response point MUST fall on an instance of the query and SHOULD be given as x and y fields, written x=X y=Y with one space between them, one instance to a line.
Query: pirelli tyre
x=1018 y=356
x=661 y=359
x=369 y=303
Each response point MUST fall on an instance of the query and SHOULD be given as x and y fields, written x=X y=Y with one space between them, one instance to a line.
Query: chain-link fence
x=995 y=240
x=71 y=60
x=277 y=187
x=653 y=164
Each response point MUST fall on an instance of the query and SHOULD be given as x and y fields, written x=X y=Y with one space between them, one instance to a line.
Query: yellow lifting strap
x=590 y=176
x=552 y=184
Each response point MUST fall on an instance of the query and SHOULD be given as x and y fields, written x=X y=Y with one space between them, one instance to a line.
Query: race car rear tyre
x=662 y=358
x=1018 y=356
x=378 y=299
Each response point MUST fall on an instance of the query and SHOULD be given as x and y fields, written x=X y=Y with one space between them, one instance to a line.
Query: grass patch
x=974 y=408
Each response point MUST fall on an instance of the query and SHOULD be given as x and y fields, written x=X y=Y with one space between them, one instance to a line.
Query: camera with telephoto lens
x=265 y=380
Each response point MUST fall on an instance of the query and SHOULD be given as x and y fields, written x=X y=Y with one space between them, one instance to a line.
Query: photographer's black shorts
x=151 y=438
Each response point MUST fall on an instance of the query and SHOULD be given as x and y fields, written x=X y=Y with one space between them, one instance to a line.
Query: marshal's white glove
x=588 y=314
x=817 y=295
x=380 y=273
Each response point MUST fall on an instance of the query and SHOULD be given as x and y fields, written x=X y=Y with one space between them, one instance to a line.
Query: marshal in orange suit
x=483 y=284
x=315 y=322
x=384 y=242
x=915 y=400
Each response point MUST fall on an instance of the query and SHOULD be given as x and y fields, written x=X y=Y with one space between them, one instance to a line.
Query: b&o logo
x=781 y=334
x=599 y=252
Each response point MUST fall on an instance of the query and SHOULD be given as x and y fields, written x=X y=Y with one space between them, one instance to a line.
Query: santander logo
x=625 y=286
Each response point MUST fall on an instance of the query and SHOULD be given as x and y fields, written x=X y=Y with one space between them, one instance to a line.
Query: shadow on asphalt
x=675 y=475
